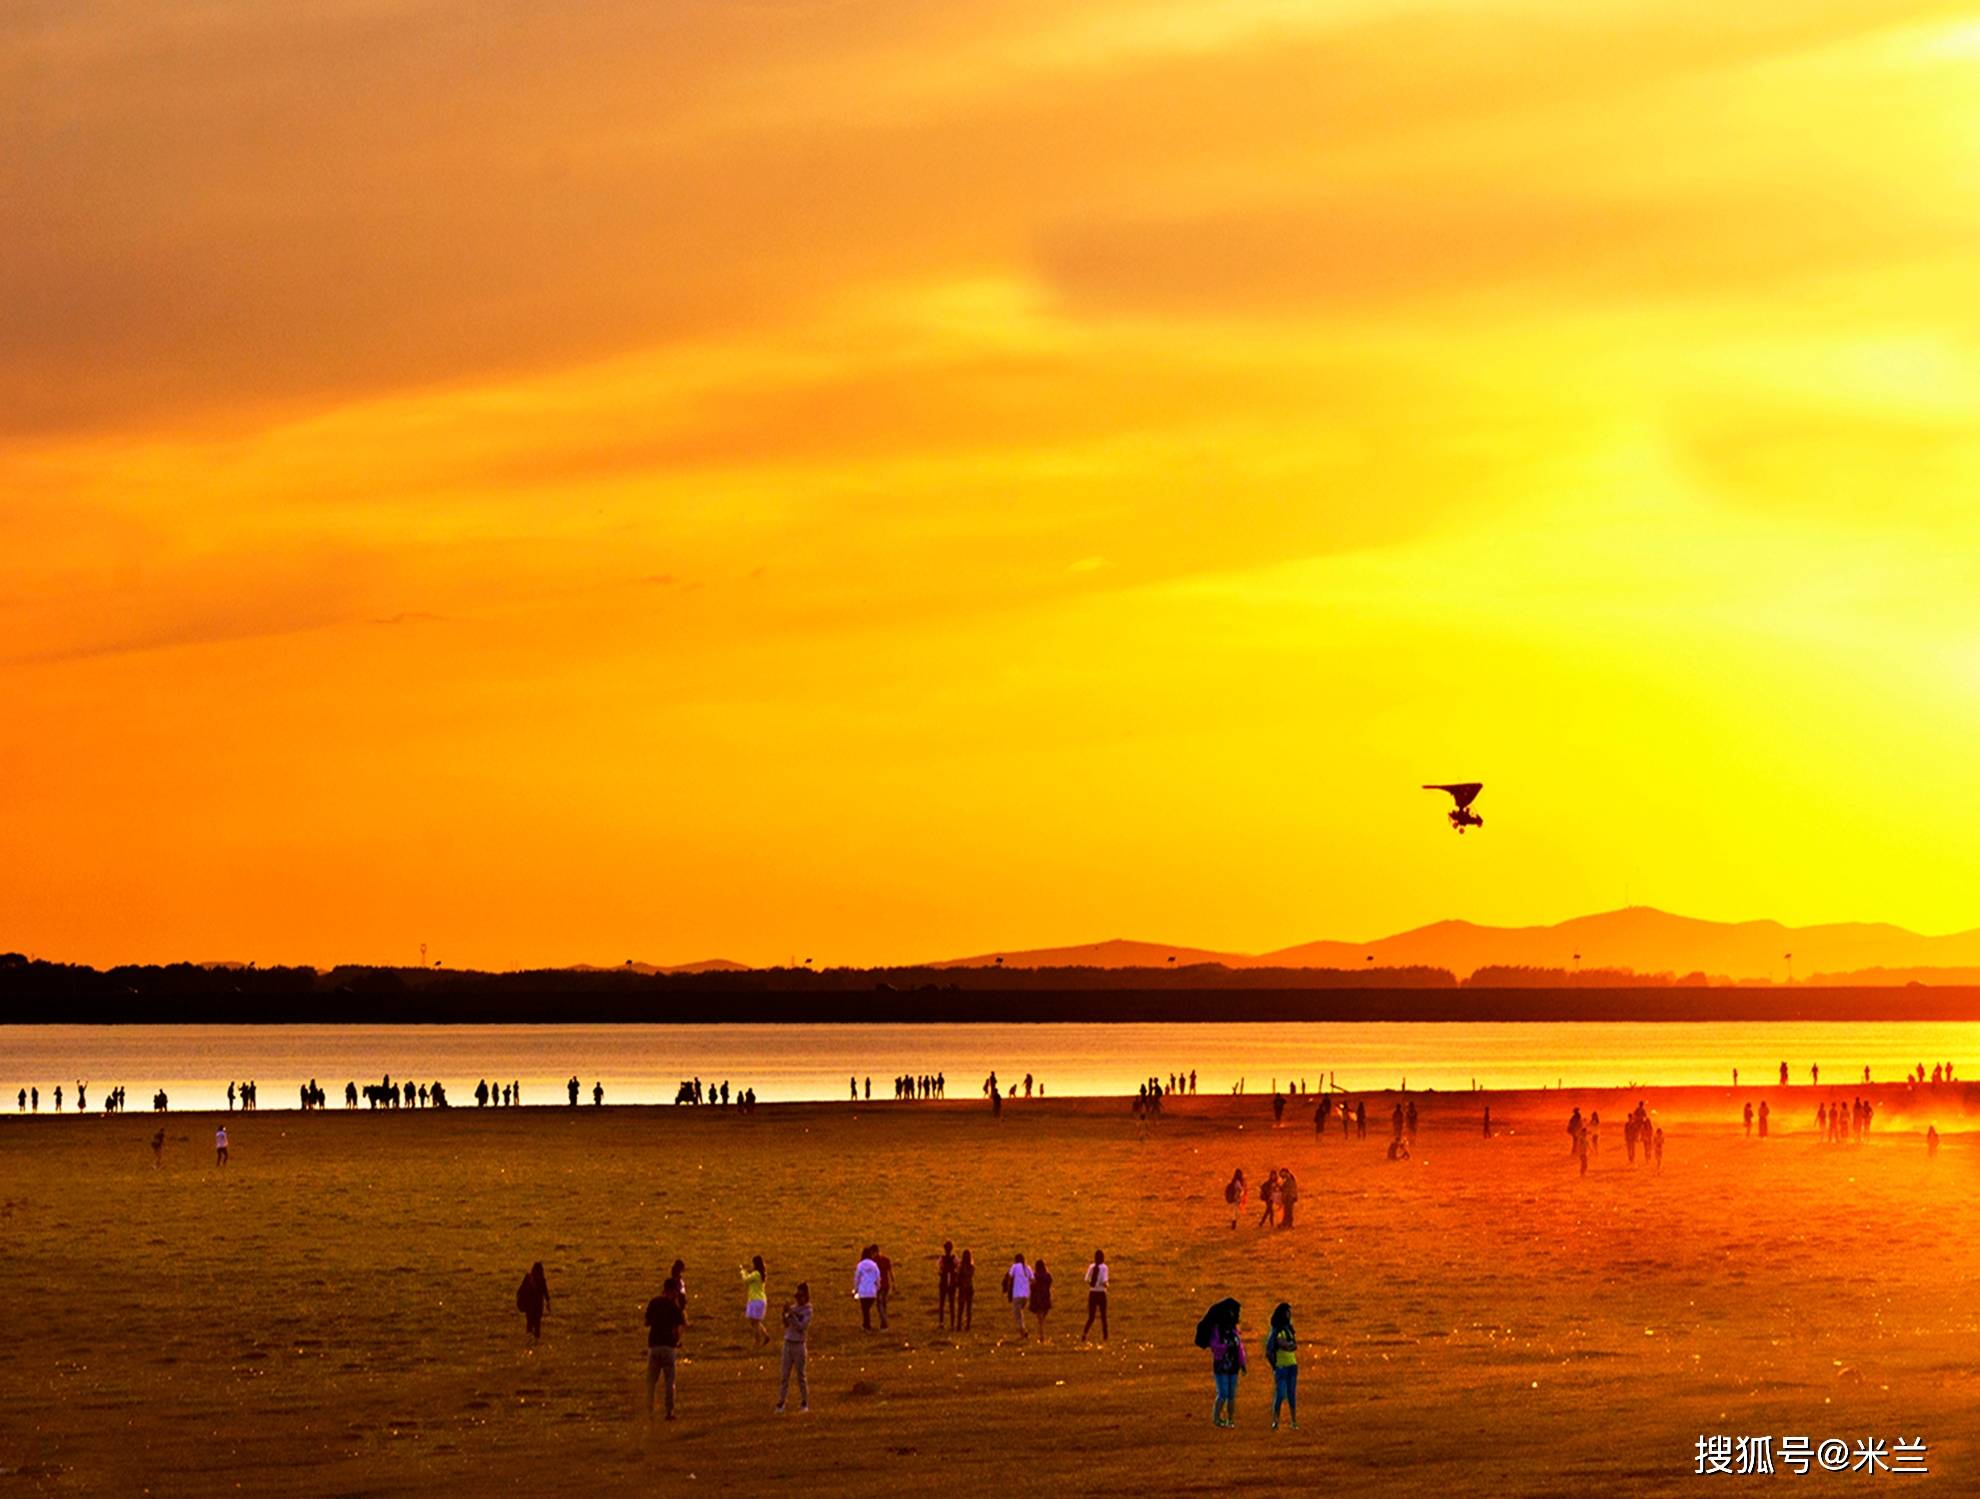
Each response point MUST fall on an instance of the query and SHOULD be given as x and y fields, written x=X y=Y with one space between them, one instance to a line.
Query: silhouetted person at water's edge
x=597 y=1094
x=573 y=1086
x=533 y=1299
x=1784 y=1074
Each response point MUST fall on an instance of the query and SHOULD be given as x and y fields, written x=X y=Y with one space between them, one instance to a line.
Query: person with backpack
x=533 y=1299
x=1282 y=1354
x=1218 y=1332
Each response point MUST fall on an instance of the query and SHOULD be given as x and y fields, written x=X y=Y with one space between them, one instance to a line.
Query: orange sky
x=878 y=480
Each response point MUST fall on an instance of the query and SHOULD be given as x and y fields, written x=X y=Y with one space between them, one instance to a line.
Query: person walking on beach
x=1017 y=1285
x=533 y=1299
x=1218 y=1332
x=1097 y=1277
x=666 y=1321
x=1041 y=1295
x=886 y=1284
x=753 y=1299
x=965 y=1292
x=1278 y=1110
x=1282 y=1356
x=1234 y=1193
x=945 y=1286
x=1288 y=1196
x=220 y=1146
x=866 y=1285
x=797 y=1325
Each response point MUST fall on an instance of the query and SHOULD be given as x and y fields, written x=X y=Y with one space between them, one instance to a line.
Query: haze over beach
x=631 y=630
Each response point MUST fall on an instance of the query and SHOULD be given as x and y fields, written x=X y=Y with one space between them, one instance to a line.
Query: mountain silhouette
x=1640 y=938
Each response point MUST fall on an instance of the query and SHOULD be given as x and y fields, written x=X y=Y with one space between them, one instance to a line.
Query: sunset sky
x=874 y=479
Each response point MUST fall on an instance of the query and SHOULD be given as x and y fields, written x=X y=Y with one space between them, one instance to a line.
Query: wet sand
x=334 y=1312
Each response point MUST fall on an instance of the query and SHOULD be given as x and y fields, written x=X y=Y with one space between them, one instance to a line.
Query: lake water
x=644 y=1063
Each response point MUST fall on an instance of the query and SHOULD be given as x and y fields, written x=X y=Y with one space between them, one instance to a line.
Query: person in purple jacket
x=1218 y=1332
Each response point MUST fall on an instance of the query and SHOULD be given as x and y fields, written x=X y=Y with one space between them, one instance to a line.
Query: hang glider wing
x=1461 y=792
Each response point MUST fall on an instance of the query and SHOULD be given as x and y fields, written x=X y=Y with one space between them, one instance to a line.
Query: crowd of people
x=1027 y=1288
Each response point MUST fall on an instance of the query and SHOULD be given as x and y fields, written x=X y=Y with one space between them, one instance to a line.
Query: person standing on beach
x=220 y=1146
x=1269 y=1195
x=886 y=1284
x=753 y=1298
x=1764 y=1111
x=866 y=1285
x=945 y=1287
x=597 y=1093
x=1749 y=1120
x=572 y=1088
x=1218 y=1332
x=1282 y=1355
x=1931 y=1142
x=1288 y=1196
x=965 y=1292
x=1488 y=1121
x=1097 y=1276
x=158 y=1149
x=1320 y=1118
x=1017 y=1285
x=1278 y=1110
x=797 y=1325
x=21 y=1102
x=533 y=1299
x=1361 y=1119
x=1041 y=1295
x=1235 y=1192
x=230 y=1098
x=666 y=1320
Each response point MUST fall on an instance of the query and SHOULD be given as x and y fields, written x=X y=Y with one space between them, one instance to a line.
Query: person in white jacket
x=866 y=1285
x=1017 y=1281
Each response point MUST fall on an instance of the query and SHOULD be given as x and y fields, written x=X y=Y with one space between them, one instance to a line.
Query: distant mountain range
x=1639 y=938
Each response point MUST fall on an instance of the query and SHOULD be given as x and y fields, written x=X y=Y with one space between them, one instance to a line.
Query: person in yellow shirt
x=752 y=1278
x=1282 y=1353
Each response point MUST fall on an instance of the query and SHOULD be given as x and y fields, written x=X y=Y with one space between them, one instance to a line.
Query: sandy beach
x=333 y=1313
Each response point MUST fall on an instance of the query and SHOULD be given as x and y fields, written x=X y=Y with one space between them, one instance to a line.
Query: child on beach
x=1282 y=1353
x=753 y=1302
x=797 y=1323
